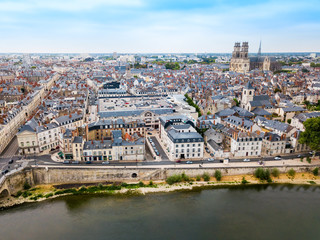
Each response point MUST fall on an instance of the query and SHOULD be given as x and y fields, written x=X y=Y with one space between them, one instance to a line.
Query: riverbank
x=43 y=192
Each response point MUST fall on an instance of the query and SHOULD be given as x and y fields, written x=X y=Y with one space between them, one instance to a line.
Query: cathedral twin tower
x=240 y=61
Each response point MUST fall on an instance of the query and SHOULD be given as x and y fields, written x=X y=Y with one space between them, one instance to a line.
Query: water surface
x=251 y=212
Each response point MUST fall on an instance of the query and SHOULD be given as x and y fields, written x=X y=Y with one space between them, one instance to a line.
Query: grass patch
x=312 y=182
x=177 y=178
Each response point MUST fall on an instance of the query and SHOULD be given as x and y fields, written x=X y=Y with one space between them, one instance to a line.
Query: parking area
x=162 y=153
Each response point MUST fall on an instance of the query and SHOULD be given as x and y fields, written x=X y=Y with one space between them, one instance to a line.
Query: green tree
x=311 y=135
x=315 y=171
x=275 y=172
x=237 y=102
x=206 y=177
x=218 y=175
x=292 y=172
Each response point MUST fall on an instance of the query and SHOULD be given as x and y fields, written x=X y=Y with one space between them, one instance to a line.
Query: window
x=22 y=144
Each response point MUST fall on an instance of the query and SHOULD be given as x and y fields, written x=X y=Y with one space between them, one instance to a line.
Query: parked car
x=188 y=162
x=246 y=160
x=66 y=162
x=75 y=162
x=105 y=163
x=10 y=161
x=178 y=161
x=149 y=133
x=5 y=171
x=277 y=158
x=299 y=156
x=207 y=150
x=211 y=154
x=88 y=162
x=311 y=153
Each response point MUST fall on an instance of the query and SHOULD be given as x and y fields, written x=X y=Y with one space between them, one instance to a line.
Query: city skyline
x=139 y=26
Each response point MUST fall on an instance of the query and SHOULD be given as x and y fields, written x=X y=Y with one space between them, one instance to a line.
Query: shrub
x=275 y=172
x=301 y=159
x=26 y=186
x=124 y=184
x=218 y=175
x=141 y=184
x=244 y=181
x=292 y=172
x=26 y=194
x=19 y=193
x=185 y=177
x=262 y=174
x=150 y=183
x=308 y=159
x=174 y=179
x=315 y=171
x=206 y=177
x=48 y=195
x=198 y=178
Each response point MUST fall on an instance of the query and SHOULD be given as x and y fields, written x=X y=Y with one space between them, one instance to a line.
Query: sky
x=158 y=26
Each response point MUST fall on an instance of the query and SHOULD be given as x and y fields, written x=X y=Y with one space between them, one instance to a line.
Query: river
x=250 y=212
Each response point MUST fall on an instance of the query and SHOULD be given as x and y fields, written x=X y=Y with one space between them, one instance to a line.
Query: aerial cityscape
x=211 y=106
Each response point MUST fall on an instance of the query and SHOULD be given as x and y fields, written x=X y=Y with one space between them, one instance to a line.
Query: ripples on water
x=242 y=212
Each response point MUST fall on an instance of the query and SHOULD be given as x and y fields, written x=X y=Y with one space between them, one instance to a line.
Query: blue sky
x=141 y=26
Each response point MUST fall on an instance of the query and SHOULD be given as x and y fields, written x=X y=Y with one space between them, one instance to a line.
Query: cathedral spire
x=259 y=51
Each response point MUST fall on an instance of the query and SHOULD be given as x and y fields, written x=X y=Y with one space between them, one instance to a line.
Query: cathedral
x=242 y=63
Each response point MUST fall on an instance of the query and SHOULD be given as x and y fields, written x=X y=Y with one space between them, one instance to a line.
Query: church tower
x=247 y=94
x=240 y=61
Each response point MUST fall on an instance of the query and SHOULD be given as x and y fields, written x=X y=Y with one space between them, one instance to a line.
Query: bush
x=141 y=184
x=301 y=159
x=206 y=177
x=150 y=183
x=174 y=179
x=292 y=172
x=177 y=178
x=198 y=178
x=275 y=172
x=26 y=194
x=315 y=171
x=48 y=195
x=262 y=174
x=185 y=177
x=26 y=186
x=308 y=159
x=19 y=193
x=244 y=181
x=218 y=175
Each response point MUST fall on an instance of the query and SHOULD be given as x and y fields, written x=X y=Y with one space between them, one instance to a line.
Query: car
x=210 y=159
x=75 y=162
x=105 y=163
x=246 y=160
x=149 y=133
x=188 y=162
x=207 y=150
x=5 y=171
x=66 y=162
x=299 y=156
x=10 y=161
x=211 y=154
x=178 y=161
x=88 y=162
x=311 y=153
x=277 y=158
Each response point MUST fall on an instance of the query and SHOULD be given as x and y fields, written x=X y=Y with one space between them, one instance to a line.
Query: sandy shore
x=162 y=187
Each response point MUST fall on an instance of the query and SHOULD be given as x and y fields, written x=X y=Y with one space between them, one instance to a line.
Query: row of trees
x=191 y=103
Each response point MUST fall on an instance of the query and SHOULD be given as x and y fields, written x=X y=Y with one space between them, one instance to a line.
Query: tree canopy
x=311 y=135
